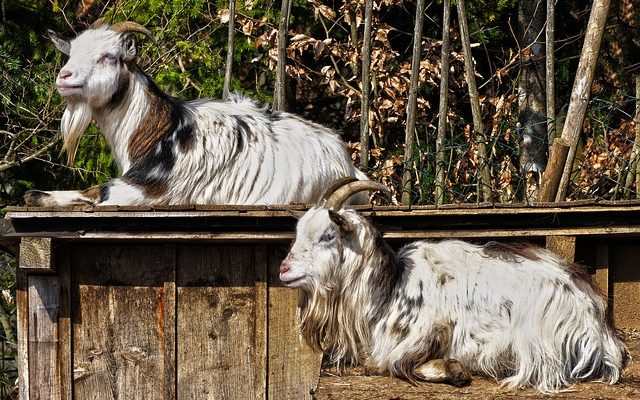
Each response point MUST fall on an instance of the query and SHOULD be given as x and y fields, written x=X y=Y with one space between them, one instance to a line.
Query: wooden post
x=280 y=95
x=412 y=104
x=484 y=172
x=366 y=86
x=633 y=175
x=230 y=42
x=442 y=109
x=582 y=88
x=553 y=172
x=550 y=68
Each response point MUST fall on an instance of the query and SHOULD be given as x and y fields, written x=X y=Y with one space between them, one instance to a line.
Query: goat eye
x=106 y=57
x=327 y=236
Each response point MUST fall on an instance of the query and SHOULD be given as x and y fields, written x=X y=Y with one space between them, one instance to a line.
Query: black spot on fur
x=243 y=131
x=506 y=307
x=274 y=116
x=105 y=192
x=391 y=269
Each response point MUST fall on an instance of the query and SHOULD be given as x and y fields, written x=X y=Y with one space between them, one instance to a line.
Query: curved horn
x=337 y=199
x=335 y=185
x=129 y=26
x=97 y=23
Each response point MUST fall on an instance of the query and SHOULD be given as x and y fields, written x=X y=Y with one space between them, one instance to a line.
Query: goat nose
x=64 y=74
x=284 y=267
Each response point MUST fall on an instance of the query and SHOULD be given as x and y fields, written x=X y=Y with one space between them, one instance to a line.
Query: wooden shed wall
x=170 y=304
x=163 y=321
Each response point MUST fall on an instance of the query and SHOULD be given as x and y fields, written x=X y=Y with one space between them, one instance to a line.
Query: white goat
x=433 y=311
x=182 y=152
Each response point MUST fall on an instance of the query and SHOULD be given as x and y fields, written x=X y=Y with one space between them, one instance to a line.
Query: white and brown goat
x=183 y=152
x=434 y=311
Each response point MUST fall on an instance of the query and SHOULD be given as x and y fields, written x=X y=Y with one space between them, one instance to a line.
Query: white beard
x=76 y=118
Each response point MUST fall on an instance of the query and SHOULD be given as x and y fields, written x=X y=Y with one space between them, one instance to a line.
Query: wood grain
x=119 y=309
x=294 y=369
x=215 y=322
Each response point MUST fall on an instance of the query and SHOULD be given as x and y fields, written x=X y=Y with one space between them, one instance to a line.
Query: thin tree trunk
x=531 y=95
x=550 y=73
x=366 y=85
x=441 y=157
x=633 y=175
x=229 y=62
x=280 y=96
x=582 y=88
x=484 y=173
x=410 y=131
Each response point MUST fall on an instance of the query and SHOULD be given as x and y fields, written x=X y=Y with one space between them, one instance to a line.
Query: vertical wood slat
x=121 y=320
x=64 y=324
x=22 y=311
x=44 y=303
x=563 y=246
x=602 y=270
x=215 y=322
x=294 y=368
x=261 y=321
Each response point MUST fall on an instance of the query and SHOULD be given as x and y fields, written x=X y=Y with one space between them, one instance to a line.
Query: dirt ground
x=354 y=385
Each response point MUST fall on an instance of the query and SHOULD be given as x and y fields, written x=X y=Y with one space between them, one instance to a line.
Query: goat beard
x=75 y=120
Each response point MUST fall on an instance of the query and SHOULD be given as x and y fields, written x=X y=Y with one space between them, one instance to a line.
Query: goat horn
x=129 y=26
x=337 y=199
x=97 y=23
x=335 y=185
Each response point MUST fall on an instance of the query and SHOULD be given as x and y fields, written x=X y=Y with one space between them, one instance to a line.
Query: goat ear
x=61 y=44
x=344 y=225
x=129 y=48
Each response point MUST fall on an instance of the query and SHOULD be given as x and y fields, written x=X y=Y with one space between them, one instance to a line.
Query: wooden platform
x=184 y=302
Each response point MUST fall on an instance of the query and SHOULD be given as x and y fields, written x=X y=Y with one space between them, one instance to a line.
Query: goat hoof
x=459 y=376
x=36 y=198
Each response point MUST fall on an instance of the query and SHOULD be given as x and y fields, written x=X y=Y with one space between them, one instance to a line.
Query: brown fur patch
x=153 y=127
x=93 y=193
x=444 y=278
x=510 y=251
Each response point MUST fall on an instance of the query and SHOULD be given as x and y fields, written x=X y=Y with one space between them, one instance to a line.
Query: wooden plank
x=119 y=308
x=624 y=278
x=22 y=311
x=36 y=254
x=294 y=369
x=167 y=329
x=215 y=322
x=261 y=321
x=564 y=246
x=602 y=270
x=64 y=324
x=44 y=305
